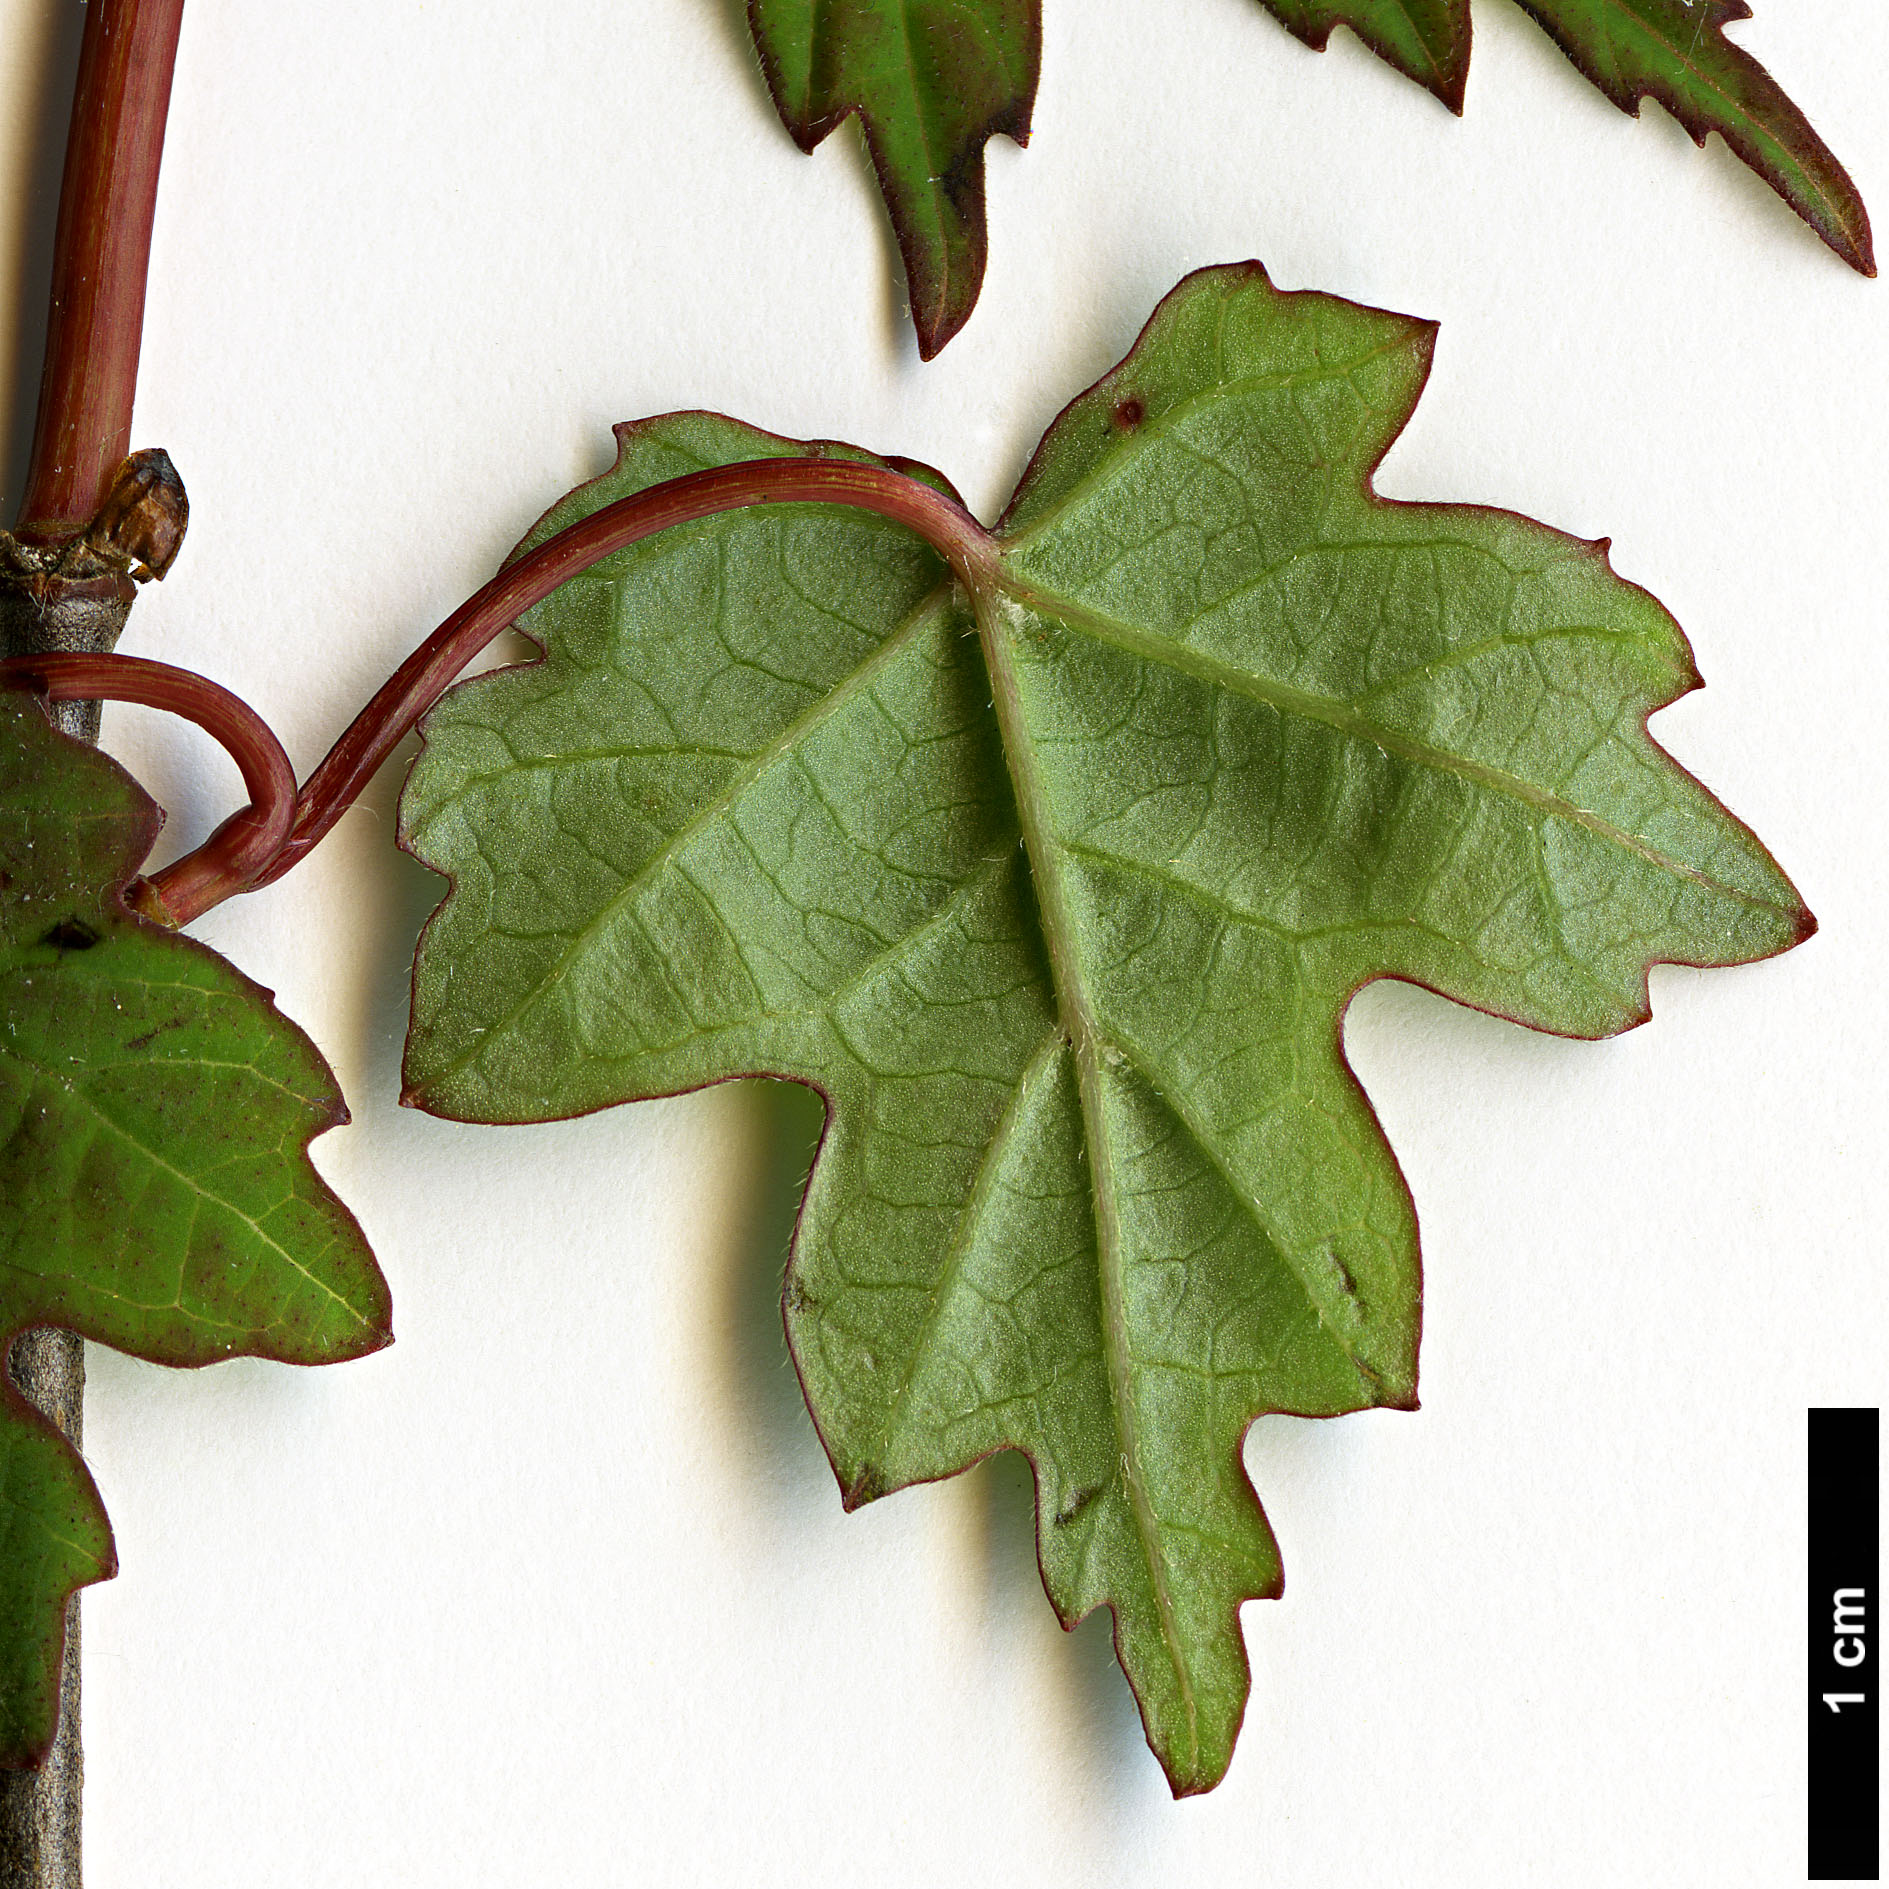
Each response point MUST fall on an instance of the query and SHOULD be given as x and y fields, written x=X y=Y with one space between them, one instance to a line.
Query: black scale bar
x=1845 y=1620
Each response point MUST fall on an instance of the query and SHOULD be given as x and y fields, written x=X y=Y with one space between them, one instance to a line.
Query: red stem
x=259 y=844
x=229 y=860
x=100 y=254
x=425 y=676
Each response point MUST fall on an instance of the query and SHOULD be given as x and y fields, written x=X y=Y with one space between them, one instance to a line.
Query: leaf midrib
x=821 y=709
x=1345 y=719
x=1178 y=1102
x=1080 y=1028
x=978 y=1199
x=83 y=1100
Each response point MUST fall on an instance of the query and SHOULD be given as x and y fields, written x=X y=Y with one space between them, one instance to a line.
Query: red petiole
x=281 y=825
x=229 y=860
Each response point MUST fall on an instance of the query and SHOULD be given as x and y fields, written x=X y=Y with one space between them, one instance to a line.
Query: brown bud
x=148 y=902
x=143 y=518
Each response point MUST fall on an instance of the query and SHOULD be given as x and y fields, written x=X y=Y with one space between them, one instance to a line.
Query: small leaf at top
x=155 y=1189
x=1676 y=51
x=932 y=82
x=1059 y=902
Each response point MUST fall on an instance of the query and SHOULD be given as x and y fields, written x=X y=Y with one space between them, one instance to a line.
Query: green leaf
x=1059 y=903
x=932 y=82
x=1426 y=40
x=1676 y=51
x=155 y=1189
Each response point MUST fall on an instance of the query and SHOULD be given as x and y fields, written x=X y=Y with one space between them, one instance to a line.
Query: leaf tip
x=937 y=327
x=360 y=1323
x=1449 y=84
x=1183 y=1786
x=868 y=1485
x=1196 y=1776
x=1843 y=226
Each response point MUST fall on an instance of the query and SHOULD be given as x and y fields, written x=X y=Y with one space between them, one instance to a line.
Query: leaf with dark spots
x=1077 y=1502
x=156 y=1193
x=71 y=934
x=1058 y=897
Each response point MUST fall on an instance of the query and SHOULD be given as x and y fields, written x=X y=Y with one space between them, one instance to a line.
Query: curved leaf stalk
x=425 y=676
x=280 y=825
x=246 y=842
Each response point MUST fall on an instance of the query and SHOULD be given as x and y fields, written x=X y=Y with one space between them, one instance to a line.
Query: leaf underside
x=1060 y=911
x=933 y=80
x=155 y=1189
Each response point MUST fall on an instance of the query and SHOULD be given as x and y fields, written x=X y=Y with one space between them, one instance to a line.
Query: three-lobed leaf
x=932 y=81
x=155 y=1189
x=1059 y=898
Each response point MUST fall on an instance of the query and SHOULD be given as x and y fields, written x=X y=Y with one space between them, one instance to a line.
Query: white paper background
x=558 y=1590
